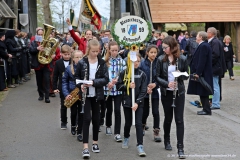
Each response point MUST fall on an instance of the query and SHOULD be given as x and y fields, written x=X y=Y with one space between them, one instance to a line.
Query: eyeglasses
x=165 y=47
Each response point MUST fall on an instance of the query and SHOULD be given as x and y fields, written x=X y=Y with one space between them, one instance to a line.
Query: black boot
x=73 y=130
x=181 y=154
x=167 y=143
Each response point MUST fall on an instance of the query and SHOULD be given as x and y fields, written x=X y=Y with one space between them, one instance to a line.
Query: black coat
x=229 y=54
x=162 y=74
x=218 y=60
x=34 y=53
x=101 y=76
x=3 y=50
x=201 y=64
x=140 y=80
x=58 y=72
x=11 y=44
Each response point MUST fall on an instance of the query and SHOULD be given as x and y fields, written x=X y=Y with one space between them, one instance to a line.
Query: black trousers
x=2 y=78
x=43 y=79
x=102 y=110
x=155 y=112
x=77 y=116
x=178 y=115
x=117 y=112
x=229 y=68
x=138 y=123
x=63 y=109
x=205 y=104
x=90 y=104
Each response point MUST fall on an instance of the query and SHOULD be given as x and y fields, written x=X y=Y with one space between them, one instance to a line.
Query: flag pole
x=133 y=94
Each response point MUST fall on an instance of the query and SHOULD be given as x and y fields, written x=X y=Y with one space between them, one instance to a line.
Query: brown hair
x=152 y=46
x=91 y=42
x=65 y=48
x=108 y=54
x=174 y=48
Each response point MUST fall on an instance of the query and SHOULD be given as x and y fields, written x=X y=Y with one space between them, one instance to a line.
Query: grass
x=236 y=70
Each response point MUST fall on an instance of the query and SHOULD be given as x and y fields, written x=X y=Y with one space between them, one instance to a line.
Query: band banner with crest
x=89 y=14
x=23 y=19
x=131 y=32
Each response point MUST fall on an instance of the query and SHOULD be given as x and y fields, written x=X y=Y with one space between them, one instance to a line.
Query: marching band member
x=59 y=70
x=115 y=65
x=152 y=98
x=166 y=64
x=82 y=42
x=140 y=86
x=68 y=85
x=93 y=68
x=42 y=71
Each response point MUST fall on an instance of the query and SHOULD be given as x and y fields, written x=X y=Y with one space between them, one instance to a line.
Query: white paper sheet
x=177 y=74
x=83 y=81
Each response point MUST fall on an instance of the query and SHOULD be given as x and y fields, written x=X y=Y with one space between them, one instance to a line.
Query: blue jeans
x=216 y=95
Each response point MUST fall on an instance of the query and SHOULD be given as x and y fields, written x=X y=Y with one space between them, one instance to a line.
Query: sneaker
x=141 y=152
x=85 y=153
x=63 y=125
x=125 y=143
x=156 y=135
x=99 y=130
x=118 y=138
x=73 y=130
x=232 y=78
x=108 y=131
x=95 y=148
x=79 y=137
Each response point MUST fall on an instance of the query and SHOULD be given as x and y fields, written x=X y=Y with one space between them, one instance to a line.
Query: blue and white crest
x=132 y=29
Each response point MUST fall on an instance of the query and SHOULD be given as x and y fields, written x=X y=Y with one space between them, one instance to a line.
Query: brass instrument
x=50 y=45
x=75 y=96
x=75 y=46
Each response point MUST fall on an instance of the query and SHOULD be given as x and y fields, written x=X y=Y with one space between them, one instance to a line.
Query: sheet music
x=83 y=81
x=177 y=74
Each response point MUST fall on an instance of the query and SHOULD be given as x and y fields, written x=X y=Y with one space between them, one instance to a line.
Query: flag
x=89 y=14
x=73 y=20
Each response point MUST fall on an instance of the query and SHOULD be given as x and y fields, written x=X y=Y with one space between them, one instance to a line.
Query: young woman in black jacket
x=93 y=68
x=166 y=64
x=140 y=85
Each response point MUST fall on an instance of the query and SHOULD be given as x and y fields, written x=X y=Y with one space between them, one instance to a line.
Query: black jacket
x=3 y=50
x=34 y=53
x=162 y=74
x=140 y=80
x=58 y=72
x=218 y=60
x=11 y=44
x=101 y=76
x=145 y=67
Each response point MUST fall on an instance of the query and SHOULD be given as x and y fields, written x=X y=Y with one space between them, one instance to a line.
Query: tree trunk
x=47 y=12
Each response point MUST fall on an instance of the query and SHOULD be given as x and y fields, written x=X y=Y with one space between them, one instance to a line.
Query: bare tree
x=47 y=11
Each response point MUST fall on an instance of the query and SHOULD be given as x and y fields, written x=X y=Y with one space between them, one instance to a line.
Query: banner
x=23 y=19
x=89 y=14
x=73 y=20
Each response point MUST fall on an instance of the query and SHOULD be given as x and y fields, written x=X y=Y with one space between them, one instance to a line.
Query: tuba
x=50 y=45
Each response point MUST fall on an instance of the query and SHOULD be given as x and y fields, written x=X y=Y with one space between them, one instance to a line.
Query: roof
x=164 y=11
x=175 y=27
x=5 y=11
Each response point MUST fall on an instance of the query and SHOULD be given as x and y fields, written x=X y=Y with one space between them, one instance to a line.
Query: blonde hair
x=165 y=34
x=227 y=36
x=92 y=42
x=72 y=61
x=108 y=54
x=65 y=48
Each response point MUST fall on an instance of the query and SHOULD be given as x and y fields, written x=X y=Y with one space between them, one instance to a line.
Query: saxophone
x=75 y=96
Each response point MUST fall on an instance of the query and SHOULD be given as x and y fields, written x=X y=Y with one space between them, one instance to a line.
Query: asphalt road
x=30 y=130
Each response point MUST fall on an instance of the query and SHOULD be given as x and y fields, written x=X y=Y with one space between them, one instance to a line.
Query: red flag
x=96 y=21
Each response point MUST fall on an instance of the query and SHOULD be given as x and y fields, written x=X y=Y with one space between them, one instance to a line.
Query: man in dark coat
x=201 y=65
